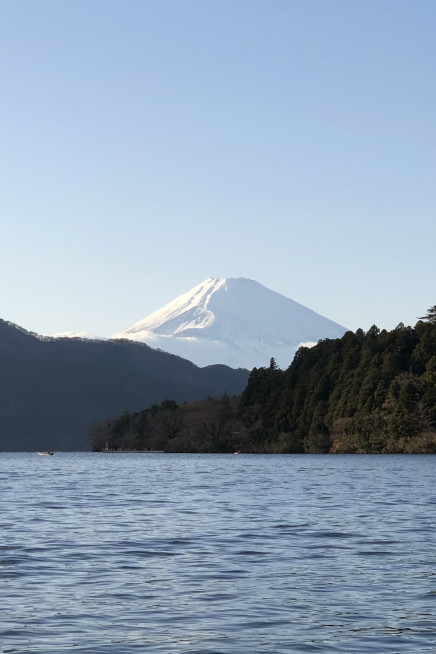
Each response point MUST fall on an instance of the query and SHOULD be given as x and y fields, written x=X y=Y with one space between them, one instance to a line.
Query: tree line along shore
x=367 y=392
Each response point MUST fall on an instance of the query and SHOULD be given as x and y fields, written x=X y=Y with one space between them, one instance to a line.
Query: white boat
x=45 y=453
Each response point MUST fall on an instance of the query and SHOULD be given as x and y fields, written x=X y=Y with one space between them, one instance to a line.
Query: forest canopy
x=367 y=392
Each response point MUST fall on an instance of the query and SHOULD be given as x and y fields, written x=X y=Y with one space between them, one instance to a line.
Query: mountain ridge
x=53 y=391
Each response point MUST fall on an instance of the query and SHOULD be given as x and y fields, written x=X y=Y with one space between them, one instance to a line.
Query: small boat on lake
x=45 y=453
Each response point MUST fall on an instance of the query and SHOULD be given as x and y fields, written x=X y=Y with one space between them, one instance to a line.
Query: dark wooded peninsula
x=367 y=392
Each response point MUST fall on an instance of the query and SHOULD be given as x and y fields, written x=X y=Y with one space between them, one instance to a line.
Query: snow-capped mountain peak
x=235 y=321
x=187 y=311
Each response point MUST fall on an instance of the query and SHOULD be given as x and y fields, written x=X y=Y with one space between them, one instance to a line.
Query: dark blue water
x=217 y=554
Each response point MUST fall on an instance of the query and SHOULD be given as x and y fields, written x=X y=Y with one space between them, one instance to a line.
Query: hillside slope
x=52 y=391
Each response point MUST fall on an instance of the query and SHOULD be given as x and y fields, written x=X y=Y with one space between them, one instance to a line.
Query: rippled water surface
x=217 y=554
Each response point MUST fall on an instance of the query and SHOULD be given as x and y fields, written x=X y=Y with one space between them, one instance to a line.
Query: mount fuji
x=235 y=321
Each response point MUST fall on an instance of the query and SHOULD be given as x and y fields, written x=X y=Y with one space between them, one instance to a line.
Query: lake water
x=217 y=554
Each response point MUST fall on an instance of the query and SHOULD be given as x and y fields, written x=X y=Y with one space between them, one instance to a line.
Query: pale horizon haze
x=147 y=145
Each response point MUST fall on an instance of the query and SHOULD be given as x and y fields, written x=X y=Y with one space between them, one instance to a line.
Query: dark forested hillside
x=365 y=392
x=53 y=391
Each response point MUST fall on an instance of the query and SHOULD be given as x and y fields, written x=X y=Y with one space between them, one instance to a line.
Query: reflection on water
x=217 y=554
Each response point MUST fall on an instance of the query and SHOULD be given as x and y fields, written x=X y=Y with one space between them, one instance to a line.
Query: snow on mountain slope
x=237 y=322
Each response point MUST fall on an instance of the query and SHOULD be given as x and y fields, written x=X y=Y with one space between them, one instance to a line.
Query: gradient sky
x=149 y=144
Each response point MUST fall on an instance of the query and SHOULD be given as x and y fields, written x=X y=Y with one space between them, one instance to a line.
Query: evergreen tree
x=431 y=315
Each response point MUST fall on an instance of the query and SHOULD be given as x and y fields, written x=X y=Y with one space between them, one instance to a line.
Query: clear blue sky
x=149 y=144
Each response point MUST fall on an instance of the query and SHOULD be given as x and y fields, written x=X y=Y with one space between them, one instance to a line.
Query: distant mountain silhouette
x=54 y=390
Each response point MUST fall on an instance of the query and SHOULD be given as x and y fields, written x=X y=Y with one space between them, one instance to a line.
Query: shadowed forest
x=367 y=392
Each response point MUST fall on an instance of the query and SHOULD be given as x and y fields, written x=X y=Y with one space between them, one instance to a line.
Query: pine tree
x=431 y=315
